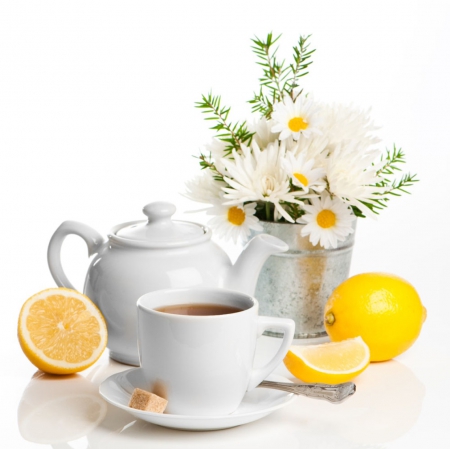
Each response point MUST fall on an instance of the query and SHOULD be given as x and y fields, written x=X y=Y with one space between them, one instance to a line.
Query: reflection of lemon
x=385 y=407
x=55 y=410
x=61 y=331
x=385 y=310
x=329 y=363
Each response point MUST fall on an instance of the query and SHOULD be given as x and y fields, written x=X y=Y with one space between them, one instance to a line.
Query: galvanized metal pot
x=298 y=283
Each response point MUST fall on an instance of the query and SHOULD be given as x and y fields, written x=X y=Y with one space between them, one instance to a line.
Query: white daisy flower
x=295 y=119
x=313 y=148
x=263 y=132
x=342 y=123
x=203 y=188
x=303 y=173
x=352 y=175
x=234 y=222
x=258 y=176
x=327 y=221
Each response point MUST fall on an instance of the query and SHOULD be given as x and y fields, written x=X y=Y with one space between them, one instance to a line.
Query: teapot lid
x=160 y=231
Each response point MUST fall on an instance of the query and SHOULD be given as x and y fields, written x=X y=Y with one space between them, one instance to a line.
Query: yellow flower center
x=326 y=218
x=297 y=124
x=301 y=178
x=236 y=216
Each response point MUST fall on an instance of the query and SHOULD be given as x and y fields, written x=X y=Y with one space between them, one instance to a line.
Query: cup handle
x=264 y=323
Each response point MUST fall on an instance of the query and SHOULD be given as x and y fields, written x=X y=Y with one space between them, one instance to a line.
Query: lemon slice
x=61 y=331
x=329 y=363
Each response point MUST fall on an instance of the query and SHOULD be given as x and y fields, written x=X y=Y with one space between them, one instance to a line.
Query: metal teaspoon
x=331 y=393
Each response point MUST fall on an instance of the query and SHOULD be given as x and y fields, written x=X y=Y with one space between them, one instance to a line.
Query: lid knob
x=159 y=211
x=160 y=231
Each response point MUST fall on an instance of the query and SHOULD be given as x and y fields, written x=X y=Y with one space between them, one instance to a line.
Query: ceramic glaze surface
x=143 y=256
x=258 y=403
x=203 y=365
x=143 y=271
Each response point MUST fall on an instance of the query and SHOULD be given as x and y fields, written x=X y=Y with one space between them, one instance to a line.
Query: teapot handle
x=93 y=241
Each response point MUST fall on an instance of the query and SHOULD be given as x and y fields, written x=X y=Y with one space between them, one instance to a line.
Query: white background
x=97 y=119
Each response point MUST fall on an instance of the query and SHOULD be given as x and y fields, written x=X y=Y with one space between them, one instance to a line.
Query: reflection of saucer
x=256 y=404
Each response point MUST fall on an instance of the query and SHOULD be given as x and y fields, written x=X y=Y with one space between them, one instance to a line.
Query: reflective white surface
x=398 y=404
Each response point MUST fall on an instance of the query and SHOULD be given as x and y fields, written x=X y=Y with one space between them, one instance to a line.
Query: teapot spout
x=244 y=273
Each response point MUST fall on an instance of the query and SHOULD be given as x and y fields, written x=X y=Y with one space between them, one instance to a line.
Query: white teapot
x=143 y=256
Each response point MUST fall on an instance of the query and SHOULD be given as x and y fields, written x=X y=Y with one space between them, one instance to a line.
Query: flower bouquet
x=299 y=160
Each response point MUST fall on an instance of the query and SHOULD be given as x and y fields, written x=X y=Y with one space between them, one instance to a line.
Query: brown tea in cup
x=199 y=309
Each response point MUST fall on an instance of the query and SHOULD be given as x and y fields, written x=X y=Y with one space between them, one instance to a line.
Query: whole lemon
x=381 y=308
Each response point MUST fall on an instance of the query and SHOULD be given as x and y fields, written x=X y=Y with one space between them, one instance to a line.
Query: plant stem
x=268 y=211
x=274 y=74
x=222 y=118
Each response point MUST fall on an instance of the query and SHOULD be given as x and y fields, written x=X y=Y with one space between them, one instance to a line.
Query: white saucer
x=260 y=402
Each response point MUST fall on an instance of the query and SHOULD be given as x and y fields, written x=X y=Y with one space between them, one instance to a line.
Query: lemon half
x=61 y=331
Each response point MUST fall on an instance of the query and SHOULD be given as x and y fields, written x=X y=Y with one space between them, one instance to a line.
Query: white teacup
x=203 y=365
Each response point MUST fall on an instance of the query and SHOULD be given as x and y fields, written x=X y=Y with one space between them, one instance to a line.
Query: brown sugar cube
x=144 y=400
